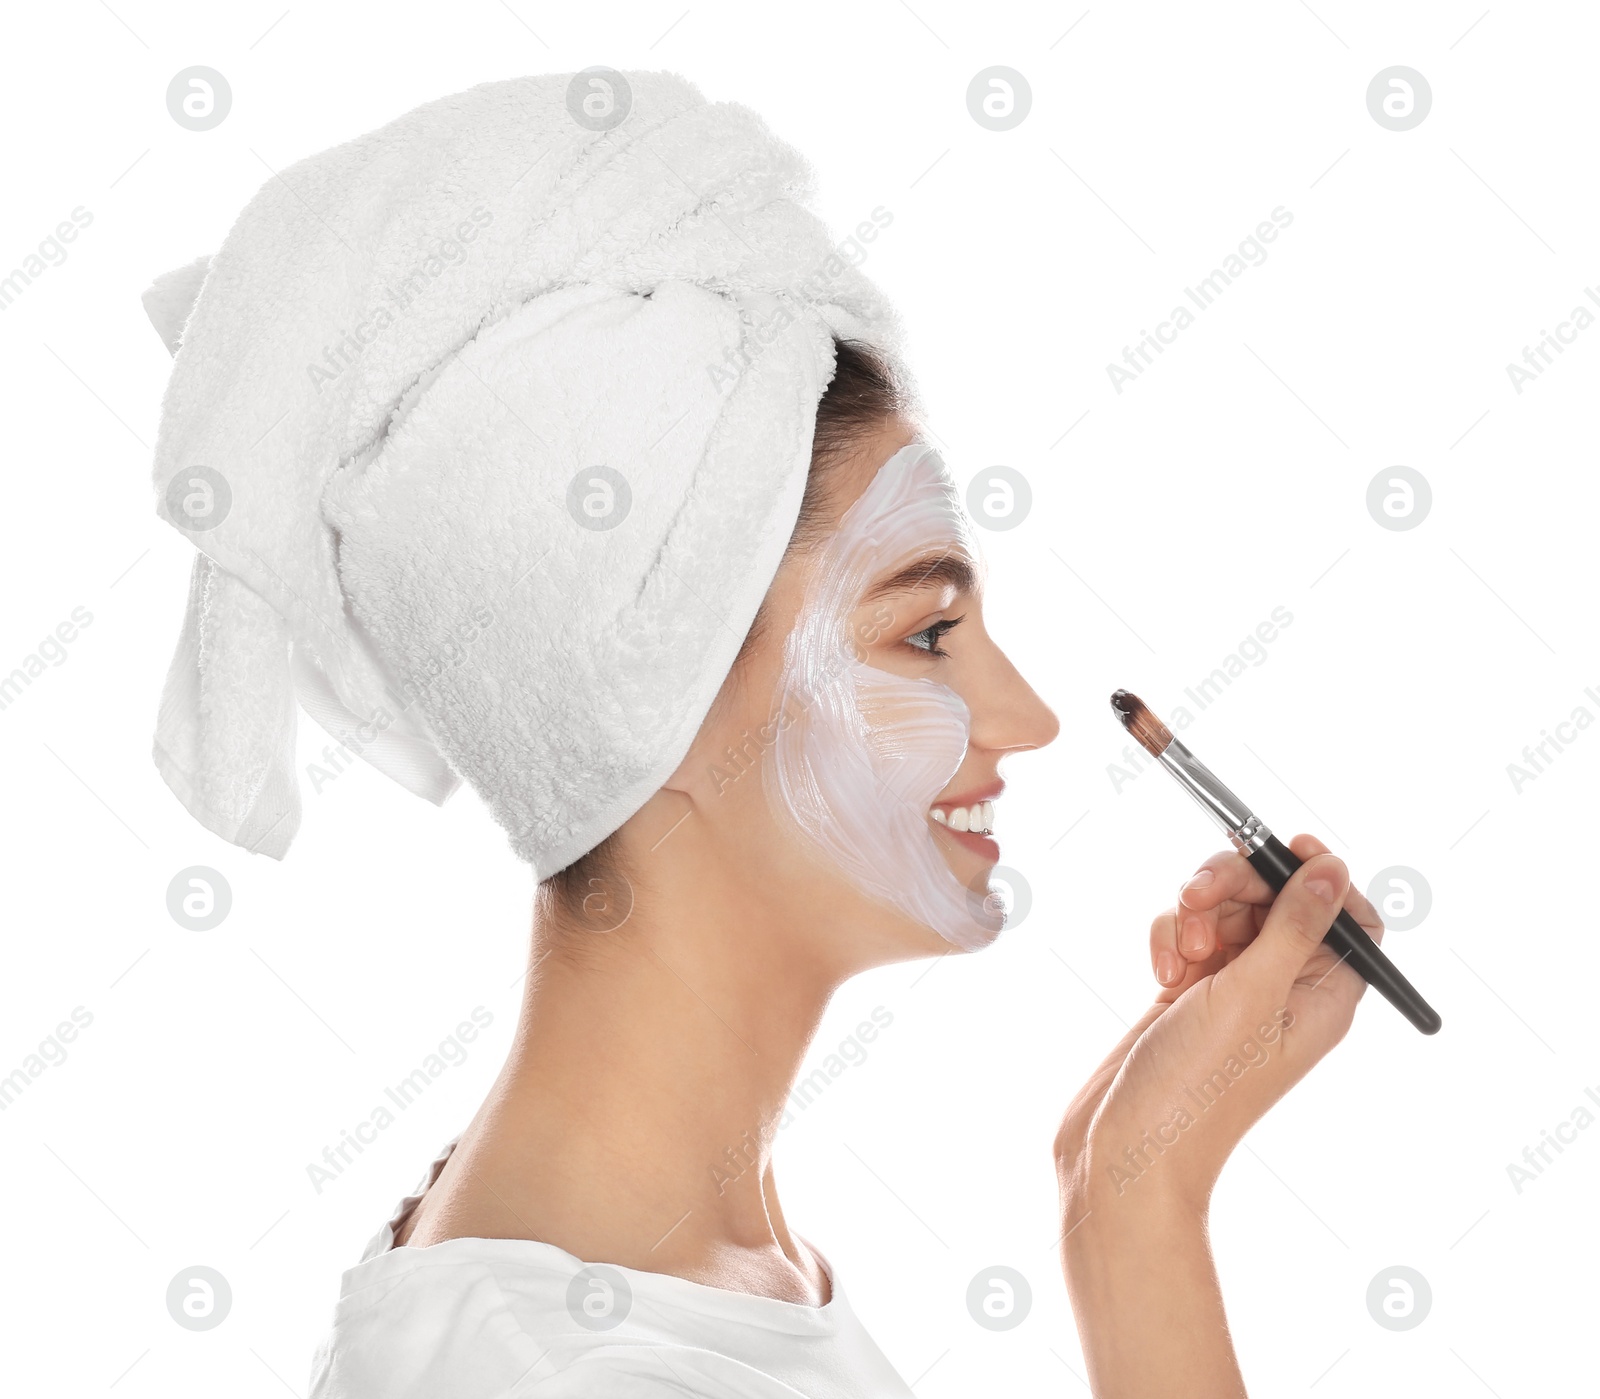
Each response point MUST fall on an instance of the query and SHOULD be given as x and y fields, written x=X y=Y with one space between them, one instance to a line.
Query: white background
x=1168 y=521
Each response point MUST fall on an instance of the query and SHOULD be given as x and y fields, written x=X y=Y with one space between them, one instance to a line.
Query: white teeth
x=977 y=817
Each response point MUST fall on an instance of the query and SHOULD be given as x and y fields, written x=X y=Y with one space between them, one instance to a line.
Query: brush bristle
x=1153 y=735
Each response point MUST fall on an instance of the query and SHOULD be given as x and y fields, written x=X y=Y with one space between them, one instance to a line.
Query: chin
x=861 y=930
x=911 y=940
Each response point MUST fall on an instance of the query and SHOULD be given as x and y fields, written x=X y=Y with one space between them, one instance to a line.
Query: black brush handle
x=1275 y=862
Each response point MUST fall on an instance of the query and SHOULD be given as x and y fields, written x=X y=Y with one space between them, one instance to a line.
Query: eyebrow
x=946 y=569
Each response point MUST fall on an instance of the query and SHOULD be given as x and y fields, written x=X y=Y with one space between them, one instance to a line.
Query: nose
x=1006 y=712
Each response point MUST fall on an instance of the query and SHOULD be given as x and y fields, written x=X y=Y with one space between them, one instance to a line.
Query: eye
x=927 y=640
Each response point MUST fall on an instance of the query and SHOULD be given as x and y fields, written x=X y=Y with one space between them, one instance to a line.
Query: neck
x=636 y=1114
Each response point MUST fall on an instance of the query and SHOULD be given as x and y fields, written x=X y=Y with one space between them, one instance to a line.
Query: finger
x=1221 y=905
x=1197 y=935
x=1225 y=876
x=1222 y=908
x=1165 y=960
x=1217 y=907
x=1359 y=907
x=1211 y=891
x=1356 y=903
x=1174 y=970
x=1305 y=846
x=1175 y=967
x=1295 y=925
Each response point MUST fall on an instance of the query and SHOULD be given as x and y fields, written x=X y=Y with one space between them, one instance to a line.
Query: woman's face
x=849 y=771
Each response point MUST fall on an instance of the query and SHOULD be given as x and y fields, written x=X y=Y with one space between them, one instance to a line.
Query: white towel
x=417 y=373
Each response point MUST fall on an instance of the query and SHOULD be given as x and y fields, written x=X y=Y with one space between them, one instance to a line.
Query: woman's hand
x=1250 y=1000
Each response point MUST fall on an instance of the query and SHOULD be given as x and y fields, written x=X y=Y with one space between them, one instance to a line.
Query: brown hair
x=866 y=391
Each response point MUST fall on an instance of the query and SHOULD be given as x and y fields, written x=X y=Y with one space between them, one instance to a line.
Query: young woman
x=584 y=324
x=584 y=1235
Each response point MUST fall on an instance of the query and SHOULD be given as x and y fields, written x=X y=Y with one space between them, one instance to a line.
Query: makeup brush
x=1272 y=859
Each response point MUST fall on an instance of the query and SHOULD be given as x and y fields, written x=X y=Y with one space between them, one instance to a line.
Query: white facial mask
x=862 y=753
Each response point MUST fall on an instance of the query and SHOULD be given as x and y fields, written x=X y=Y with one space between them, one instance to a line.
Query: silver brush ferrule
x=1246 y=830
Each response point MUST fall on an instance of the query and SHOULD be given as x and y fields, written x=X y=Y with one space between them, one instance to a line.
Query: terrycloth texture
x=419 y=364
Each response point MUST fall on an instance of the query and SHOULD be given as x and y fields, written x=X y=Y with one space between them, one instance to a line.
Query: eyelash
x=934 y=633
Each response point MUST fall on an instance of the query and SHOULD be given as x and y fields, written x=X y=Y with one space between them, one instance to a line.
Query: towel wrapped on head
x=491 y=427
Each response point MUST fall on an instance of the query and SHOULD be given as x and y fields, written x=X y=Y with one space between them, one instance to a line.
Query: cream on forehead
x=863 y=752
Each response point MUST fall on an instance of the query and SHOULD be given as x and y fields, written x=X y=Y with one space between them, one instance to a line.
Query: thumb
x=1295 y=925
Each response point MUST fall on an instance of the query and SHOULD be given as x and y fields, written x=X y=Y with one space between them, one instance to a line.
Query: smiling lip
x=987 y=792
x=981 y=845
x=985 y=846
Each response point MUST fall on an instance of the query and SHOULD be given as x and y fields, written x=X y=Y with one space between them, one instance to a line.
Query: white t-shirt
x=517 y=1319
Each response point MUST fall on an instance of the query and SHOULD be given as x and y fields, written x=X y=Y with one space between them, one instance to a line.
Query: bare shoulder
x=478 y=1195
x=818 y=1275
x=456 y=1206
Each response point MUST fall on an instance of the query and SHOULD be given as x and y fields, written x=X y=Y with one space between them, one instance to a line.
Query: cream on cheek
x=861 y=753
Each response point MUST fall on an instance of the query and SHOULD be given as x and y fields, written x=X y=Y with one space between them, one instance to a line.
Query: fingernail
x=1193 y=938
x=1320 y=889
x=1200 y=880
x=1168 y=968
